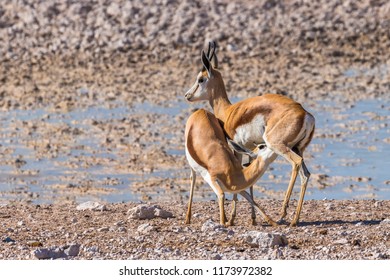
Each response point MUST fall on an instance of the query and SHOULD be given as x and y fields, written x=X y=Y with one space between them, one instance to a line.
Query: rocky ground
x=328 y=230
x=62 y=61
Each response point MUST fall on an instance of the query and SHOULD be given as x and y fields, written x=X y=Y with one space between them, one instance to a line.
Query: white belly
x=251 y=132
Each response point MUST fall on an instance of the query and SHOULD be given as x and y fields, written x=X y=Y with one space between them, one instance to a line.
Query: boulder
x=91 y=205
x=147 y=212
x=265 y=239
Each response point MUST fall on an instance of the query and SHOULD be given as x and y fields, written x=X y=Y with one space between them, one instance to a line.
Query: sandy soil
x=328 y=230
x=62 y=60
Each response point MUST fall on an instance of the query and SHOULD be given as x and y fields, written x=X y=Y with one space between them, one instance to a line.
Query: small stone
x=341 y=241
x=386 y=221
x=142 y=212
x=265 y=239
x=34 y=243
x=8 y=240
x=58 y=253
x=158 y=212
x=42 y=254
x=177 y=252
x=21 y=223
x=147 y=212
x=73 y=250
x=323 y=231
x=103 y=229
x=49 y=253
x=326 y=250
x=91 y=205
x=145 y=228
x=113 y=10
x=329 y=206
x=92 y=249
x=178 y=229
x=217 y=257
x=378 y=204
x=120 y=223
x=122 y=229
x=212 y=226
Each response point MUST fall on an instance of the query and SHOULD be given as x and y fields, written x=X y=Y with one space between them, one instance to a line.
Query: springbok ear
x=240 y=149
x=206 y=64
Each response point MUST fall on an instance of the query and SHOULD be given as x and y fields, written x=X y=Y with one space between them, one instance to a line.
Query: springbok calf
x=208 y=153
x=276 y=120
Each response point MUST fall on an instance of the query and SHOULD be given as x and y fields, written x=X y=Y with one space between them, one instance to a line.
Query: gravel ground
x=328 y=230
x=63 y=57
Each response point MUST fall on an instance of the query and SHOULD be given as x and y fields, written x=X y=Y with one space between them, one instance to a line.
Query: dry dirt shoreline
x=351 y=229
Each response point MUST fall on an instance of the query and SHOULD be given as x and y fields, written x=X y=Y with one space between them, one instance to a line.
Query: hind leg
x=296 y=162
x=305 y=175
x=286 y=131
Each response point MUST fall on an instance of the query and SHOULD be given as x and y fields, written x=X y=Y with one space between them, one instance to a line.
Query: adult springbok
x=280 y=122
x=208 y=153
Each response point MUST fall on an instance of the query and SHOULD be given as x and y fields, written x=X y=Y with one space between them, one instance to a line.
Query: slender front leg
x=193 y=179
x=233 y=214
x=253 y=212
x=251 y=201
x=221 y=202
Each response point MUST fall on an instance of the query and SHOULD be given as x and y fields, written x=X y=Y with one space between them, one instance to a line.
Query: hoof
x=229 y=224
x=272 y=223
x=282 y=216
x=293 y=224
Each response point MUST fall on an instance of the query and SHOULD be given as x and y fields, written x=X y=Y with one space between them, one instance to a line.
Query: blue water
x=359 y=159
x=349 y=147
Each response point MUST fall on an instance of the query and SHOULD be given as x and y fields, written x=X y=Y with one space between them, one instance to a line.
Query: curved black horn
x=213 y=53
x=208 y=51
x=206 y=63
x=215 y=61
x=213 y=47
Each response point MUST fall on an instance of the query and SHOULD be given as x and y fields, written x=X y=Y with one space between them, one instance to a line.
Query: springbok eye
x=262 y=146
x=200 y=80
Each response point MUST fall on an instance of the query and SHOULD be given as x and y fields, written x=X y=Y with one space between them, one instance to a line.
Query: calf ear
x=206 y=64
x=240 y=149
